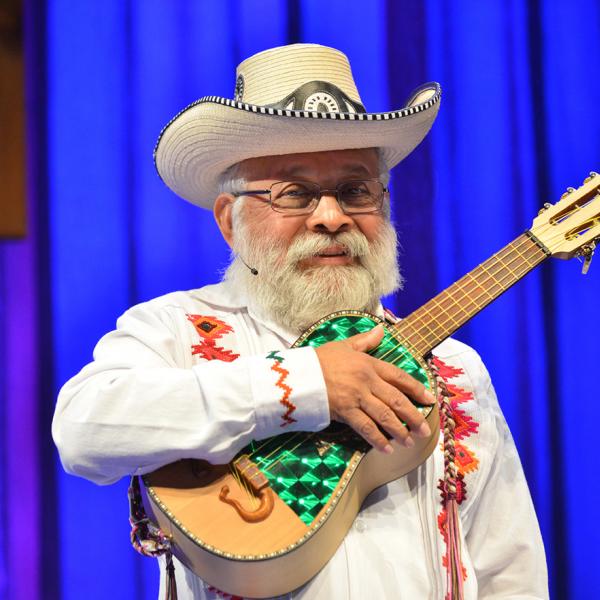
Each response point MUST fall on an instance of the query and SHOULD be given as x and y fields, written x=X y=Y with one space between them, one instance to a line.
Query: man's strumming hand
x=368 y=394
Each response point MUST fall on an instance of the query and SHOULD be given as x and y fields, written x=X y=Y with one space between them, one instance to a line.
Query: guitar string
x=269 y=468
x=442 y=326
x=266 y=443
x=461 y=287
x=505 y=265
x=242 y=484
x=467 y=294
x=287 y=451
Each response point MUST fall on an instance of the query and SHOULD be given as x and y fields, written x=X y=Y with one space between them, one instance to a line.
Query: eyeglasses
x=302 y=197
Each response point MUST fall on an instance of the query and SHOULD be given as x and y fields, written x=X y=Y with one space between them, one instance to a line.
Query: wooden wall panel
x=12 y=121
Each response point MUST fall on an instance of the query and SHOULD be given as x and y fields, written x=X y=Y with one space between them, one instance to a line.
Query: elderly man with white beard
x=296 y=172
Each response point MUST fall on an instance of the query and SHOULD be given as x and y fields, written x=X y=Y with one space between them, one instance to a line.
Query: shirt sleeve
x=136 y=407
x=504 y=538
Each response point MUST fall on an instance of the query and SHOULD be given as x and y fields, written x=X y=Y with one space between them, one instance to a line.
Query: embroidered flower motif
x=464 y=425
x=465 y=459
x=286 y=418
x=211 y=329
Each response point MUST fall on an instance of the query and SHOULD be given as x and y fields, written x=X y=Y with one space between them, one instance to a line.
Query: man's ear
x=222 y=211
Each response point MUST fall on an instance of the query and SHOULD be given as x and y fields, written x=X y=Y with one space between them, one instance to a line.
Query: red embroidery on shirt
x=446 y=371
x=464 y=425
x=464 y=459
x=286 y=418
x=211 y=329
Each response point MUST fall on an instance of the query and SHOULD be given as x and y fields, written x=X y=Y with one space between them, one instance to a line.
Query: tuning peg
x=546 y=206
x=587 y=253
x=592 y=175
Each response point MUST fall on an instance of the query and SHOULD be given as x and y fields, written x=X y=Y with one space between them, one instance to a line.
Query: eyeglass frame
x=385 y=190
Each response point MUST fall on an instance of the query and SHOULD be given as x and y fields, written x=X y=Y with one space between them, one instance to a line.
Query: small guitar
x=266 y=523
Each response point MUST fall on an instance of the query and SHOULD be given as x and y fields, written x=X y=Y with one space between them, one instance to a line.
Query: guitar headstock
x=571 y=227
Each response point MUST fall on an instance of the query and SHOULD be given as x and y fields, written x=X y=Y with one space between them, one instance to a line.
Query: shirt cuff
x=289 y=392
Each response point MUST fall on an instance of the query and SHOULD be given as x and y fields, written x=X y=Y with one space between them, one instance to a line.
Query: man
x=295 y=171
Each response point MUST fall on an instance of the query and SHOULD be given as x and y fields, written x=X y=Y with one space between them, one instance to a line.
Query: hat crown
x=319 y=75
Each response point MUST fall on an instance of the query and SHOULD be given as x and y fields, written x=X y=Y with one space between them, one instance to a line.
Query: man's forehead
x=362 y=162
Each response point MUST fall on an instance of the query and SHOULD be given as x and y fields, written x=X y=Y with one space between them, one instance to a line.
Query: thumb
x=361 y=342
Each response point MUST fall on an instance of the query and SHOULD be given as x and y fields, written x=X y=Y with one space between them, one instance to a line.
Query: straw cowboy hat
x=297 y=98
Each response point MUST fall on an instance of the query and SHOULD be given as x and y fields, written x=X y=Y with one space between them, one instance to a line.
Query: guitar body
x=266 y=523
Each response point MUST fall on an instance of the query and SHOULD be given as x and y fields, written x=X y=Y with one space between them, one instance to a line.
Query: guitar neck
x=429 y=325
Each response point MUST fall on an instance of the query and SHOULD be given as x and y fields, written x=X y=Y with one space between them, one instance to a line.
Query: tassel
x=455 y=575
x=171 y=587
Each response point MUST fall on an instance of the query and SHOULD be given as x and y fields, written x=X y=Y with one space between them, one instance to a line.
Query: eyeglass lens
x=302 y=196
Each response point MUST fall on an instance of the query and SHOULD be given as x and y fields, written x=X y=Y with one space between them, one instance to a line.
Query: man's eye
x=296 y=192
x=356 y=194
x=292 y=196
x=355 y=190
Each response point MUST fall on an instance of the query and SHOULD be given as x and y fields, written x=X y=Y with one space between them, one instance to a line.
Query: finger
x=367 y=429
x=402 y=407
x=383 y=416
x=406 y=383
x=362 y=342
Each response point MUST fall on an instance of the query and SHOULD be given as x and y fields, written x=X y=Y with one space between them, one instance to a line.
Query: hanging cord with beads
x=449 y=485
x=449 y=492
x=147 y=538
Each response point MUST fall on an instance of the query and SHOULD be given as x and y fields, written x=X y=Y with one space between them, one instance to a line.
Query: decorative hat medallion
x=320 y=96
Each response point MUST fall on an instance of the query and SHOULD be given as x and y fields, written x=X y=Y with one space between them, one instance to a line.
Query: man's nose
x=329 y=216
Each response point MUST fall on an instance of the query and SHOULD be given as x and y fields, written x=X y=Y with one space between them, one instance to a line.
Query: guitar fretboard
x=429 y=325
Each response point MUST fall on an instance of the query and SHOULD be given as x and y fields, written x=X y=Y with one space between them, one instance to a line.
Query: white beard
x=295 y=297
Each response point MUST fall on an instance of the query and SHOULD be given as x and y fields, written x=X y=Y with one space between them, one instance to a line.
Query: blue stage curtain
x=517 y=126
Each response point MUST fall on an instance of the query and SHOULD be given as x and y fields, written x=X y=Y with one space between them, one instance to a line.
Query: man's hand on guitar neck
x=368 y=394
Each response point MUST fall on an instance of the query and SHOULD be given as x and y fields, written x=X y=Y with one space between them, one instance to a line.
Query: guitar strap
x=147 y=538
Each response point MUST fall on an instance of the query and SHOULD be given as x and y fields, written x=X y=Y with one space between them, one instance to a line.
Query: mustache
x=309 y=244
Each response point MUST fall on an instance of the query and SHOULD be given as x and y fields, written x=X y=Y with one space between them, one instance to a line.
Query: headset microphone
x=252 y=269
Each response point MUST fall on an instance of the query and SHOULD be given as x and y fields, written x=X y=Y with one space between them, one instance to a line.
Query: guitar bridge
x=250 y=473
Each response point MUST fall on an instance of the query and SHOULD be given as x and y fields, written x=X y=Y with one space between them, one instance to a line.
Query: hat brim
x=206 y=138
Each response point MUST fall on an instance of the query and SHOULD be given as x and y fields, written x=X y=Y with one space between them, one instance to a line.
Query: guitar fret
x=442 y=315
x=409 y=337
x=416 y=332
x=437 y=303
x=424 y=338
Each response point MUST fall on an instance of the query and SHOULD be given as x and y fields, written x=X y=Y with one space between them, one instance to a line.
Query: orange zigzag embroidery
x=286 y=418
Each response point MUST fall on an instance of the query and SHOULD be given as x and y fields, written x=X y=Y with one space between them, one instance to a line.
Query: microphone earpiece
x=252 y=269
